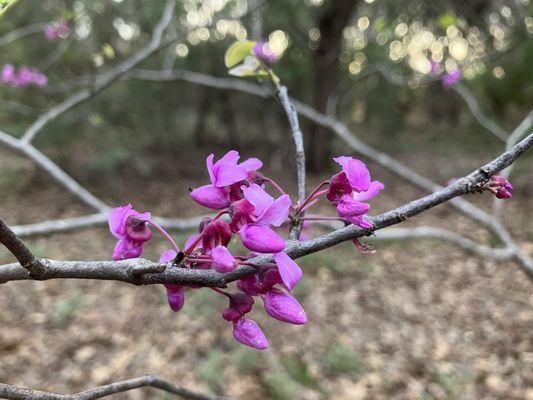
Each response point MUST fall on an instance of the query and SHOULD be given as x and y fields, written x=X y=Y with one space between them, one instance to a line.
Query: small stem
x=165 y=234
x=256 y=265
x=322 y=218
x=273 y=183
x=316 y=192
x=222 y=292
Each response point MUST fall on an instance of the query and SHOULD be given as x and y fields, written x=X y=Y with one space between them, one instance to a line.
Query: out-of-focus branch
x=125 y=270
x=22 y=32
x=105 y=79
x=18 y=393
x=483 y=120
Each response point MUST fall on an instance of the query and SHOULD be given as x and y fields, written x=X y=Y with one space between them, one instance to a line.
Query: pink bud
x=222 y=260
x=175 y=297
x=249 y=333
x=261 y=238
x=284 y=307
x=211 y=197
x=239 y=304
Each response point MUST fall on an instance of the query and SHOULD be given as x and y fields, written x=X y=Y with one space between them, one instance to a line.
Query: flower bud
x=284 y=307
x=247 y=332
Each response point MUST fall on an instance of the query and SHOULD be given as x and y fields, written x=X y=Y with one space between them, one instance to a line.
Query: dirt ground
x=417 y=320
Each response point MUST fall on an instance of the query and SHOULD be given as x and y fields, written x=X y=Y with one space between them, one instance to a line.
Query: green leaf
x=6 y=5
x=237 y=52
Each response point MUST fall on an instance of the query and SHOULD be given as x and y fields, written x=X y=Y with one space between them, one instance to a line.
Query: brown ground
x=419 y=320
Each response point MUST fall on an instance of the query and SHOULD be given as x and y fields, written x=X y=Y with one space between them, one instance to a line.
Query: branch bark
x=17 y=393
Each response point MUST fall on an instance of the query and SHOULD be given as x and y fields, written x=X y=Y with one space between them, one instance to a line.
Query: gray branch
x=297 y=137
x=17 y=393
x=21 y=32
x=483 y=120
x=125 y=271
x=104 y=80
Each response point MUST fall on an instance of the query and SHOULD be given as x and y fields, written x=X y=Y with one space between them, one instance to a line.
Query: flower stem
x=321 y=218
x=165 y=234
x=316 y=192
x=273 y=183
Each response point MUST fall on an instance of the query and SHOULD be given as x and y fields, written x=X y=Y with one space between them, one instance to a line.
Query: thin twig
x=17 y=393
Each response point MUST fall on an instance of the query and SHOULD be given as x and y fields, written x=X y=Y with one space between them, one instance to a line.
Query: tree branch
x=16 y=393
x=297 y=137
x=21 y=32
x=125 y=270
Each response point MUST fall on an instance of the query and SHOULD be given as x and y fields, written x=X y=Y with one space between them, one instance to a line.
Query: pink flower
x=222 y=260
x=216 y=233
x=56 y=30
x=8 y=74
x=175 y=293
x=263 y=52
x=265 y=212
x=250 y=334
x=284 y=307
x=501 y=187
x=131 y=228
x=289 y=271
x=349 y=190
x=24 y=77
x=223 y=174
x=451 y=78
x=239 y=305
x=434 y=69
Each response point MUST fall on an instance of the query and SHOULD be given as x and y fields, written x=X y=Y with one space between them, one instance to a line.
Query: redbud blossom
x=264 y=53
x=284 y=307
x=250 y=334
x=501 y=187
x=131 y=228
x=239 y=305
x=222 y=260
x=450 y=79
x=175 y=293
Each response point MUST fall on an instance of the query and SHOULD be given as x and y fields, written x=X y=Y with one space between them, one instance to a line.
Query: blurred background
x=420 y=319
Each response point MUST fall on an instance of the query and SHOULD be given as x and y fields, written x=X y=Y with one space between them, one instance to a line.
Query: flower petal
x=211 y=197
x=210 y=167
x=175 y=297
x=277 y=213
x=348 y=207
x=126 y=249
x=356 y=172
x=261 y=239
x=258 y=197
x=222 y=260
x=372 y=191
x=247 y=332
x=117 y=220
x=251 y=164
x=289 y=271
x=167 y=256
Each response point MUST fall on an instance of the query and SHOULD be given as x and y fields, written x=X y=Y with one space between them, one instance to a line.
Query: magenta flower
x=24 y=77
x=349 y=190
x=289 y=271
x=250 y=334
x=451 y=78
x=434 y=69
x=216 y=233
x=8 y=74
x=222 y=260
x=260 y=283
x=131 y=228
x=501 y=187
x=284 y=307
x=223 y=173
x=265 y=212
x=56 y=30
x=239 y=305
x=262 y=51
x=175 y=293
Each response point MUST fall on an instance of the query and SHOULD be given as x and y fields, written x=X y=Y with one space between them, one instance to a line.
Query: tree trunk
x=331 y=24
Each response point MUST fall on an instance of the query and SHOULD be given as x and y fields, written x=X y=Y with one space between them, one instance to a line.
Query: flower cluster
x=247 y=211
x=450 y=79
x=24 y=77
x=56 y=30
x=500 y=187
